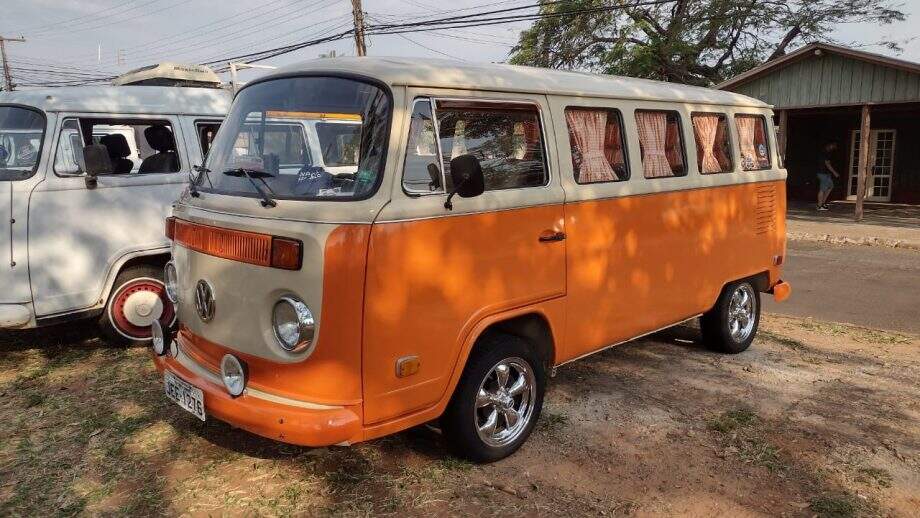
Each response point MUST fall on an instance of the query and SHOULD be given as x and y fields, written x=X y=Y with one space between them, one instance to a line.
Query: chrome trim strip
x=604 y=348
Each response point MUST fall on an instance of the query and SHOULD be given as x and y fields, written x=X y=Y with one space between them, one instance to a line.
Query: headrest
x=117 y=145
x=160 y=138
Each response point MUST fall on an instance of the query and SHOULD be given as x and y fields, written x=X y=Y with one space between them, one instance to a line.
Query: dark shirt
x=824 y=157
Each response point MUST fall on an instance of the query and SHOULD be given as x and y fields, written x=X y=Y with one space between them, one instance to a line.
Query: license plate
x=185 y=394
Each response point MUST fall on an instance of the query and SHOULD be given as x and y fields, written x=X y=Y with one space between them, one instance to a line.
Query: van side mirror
x=469 y=182
x=96 y=162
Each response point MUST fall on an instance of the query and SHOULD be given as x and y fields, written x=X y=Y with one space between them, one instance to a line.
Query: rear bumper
x=15 y=316
x=274 y=417
x=781 y=291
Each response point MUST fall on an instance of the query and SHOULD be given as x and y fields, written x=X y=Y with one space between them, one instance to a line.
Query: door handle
x=549 y=235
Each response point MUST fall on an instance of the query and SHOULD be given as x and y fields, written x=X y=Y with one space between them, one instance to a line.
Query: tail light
x=171 y=228
x=287 y=254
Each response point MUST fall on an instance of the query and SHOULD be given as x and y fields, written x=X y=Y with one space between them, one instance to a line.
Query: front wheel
x=730 y=326
x=138 y=298
x=497 y=401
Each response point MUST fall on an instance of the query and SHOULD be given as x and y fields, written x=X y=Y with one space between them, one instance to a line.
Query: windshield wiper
x=251 y=174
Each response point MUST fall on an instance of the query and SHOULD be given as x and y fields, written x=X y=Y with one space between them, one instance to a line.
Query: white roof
x=443 y=73
x=125 y=99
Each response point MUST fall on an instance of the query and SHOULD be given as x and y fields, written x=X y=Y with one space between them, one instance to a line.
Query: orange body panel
x=638 y=263
x=431 y=281
x=332 y=374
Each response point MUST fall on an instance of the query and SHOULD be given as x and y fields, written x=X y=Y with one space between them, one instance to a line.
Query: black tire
x=459 y=422
x=122 y=335
x=716 y=324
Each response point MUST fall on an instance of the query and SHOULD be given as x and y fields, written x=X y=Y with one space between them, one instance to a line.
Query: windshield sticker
x=280 y=114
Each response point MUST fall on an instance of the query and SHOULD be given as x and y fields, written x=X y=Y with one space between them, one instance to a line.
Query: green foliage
x=699 y=42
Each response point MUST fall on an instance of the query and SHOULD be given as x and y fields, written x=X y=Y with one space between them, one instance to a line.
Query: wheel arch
x=158 y=257
x=533 y=328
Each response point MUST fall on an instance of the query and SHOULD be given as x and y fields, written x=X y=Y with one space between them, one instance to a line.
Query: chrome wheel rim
x=742 y=309
x=504 y=403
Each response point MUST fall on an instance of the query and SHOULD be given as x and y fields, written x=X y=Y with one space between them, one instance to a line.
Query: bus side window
x=597 y=143
x=713 y=144
x=752 y=139
x=421 y=173
x=661 y=143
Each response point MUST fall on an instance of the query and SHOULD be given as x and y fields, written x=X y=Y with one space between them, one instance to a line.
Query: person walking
x=825 y=172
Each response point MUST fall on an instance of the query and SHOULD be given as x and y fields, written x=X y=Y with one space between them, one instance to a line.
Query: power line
x=94 y=15
x=7 y=75
x=58 y=32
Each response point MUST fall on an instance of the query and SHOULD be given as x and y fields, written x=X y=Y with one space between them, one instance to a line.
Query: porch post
x=783 y=132
x=864 y=137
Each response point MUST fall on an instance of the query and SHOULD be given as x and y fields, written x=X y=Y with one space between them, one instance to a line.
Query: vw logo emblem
x=204 y=300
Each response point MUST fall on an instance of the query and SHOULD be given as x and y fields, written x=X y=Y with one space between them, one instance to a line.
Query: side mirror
x=96 y=162
x=469 y=182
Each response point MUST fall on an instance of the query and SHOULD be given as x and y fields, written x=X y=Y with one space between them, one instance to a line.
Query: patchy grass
x=791 y=343
x=741 y=437
x=880 y=477
x=856 y=333
x=835 y=506
x=552 y=422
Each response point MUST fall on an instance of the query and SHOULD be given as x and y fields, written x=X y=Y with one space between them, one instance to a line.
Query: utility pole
x=7 y=75
x=359 y=27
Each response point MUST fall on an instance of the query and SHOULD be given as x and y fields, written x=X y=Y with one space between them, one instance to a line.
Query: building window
x=661 y=143
x=752 y=139
x=713 y=145
x=598 y=147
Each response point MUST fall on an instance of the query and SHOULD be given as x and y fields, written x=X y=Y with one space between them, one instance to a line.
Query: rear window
x=505 y=137
x=752 y=139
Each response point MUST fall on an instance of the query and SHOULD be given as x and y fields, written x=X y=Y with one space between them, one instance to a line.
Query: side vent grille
x=764 y=209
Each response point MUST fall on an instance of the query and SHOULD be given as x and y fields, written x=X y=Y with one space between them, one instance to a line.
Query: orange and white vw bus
x=490 y=223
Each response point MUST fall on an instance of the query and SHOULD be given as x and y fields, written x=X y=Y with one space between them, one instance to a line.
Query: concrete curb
x=844 y=240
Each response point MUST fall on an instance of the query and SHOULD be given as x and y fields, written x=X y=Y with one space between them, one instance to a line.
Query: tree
x=701 y=42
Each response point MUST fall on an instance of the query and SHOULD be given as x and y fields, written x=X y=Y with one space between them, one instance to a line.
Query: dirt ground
x=816 y=419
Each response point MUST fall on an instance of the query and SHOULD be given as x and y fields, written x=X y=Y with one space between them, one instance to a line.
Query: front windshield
x=301 y=138
x=21 y=134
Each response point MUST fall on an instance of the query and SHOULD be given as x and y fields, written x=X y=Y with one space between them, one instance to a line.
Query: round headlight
x=171 y=280
x=293 y=324
x=233 y=374
x=157 y=338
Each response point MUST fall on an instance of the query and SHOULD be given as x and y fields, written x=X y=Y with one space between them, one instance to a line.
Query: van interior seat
x=118 y=149
x=165 y=160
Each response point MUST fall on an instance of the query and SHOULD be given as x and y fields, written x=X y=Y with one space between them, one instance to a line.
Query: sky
x=107 y=37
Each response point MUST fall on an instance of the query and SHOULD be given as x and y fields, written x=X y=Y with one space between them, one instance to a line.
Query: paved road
x=865 y=285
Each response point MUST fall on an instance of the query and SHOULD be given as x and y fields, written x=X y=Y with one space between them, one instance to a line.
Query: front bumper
x=271 y=416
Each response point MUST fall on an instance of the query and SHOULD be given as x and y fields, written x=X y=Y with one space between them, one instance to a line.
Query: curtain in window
x=705 y=128
x=653 y=134
x=589 y=129
x=672 y=145
x=722 y=146
x=531 y=139
x=746 y=127
x=613 y=143
x=760 y=144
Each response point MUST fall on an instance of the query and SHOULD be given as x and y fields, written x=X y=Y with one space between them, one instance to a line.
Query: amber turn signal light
x=171 y=228
x=287 y=254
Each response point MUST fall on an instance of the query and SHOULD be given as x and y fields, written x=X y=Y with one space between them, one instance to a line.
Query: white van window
x=598 y=146
x=340 y=142
x=505 y=137
x=206 y=130
x=284 y=140
x=21 y=134
x=661 y=143
x=135 y=146
x=713 y=145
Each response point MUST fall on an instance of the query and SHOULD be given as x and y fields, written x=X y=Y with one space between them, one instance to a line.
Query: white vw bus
x=87 y=242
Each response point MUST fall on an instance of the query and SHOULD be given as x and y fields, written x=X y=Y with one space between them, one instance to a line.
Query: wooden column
x=863 y=164
x=783 y=134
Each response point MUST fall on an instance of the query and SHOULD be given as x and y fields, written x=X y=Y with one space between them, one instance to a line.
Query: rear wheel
x=497 y=401
x=730 y=326
x=138 y=298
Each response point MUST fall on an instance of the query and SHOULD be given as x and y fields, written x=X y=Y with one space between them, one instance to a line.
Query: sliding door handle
x=549 y=235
